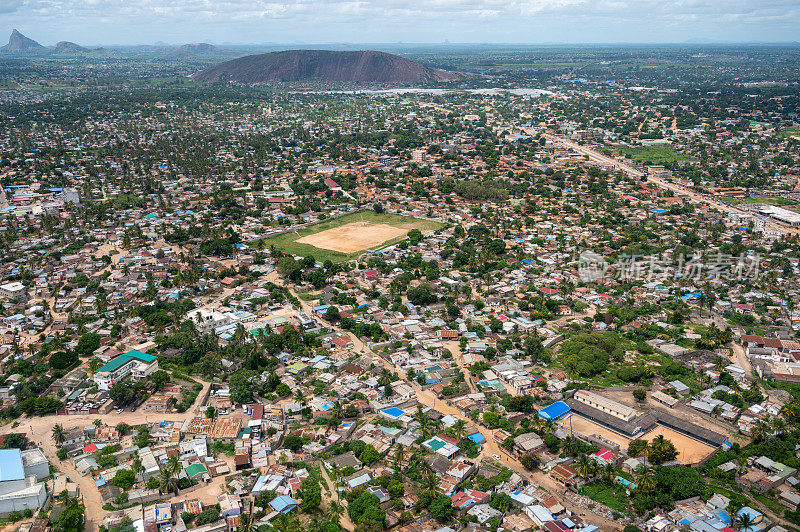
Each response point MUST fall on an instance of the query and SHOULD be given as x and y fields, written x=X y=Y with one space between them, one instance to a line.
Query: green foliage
x=207 y=516
x=441 y=507
x=366 y=510
x=63 y=359
x=124 y=478
x=588 y=354
x=241 y=386
x=311 y=494
x=481 y=190
x=292 y=442
x=87 y=344
x=71 y=519
x=126 y=392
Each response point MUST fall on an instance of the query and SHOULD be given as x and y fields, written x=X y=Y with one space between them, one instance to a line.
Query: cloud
x=9 y=6
x=258 y=21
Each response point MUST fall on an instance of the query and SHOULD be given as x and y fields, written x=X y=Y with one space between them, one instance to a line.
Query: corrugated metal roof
x=11 y=465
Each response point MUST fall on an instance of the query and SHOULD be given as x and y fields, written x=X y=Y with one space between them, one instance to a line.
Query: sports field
x=690 y=451
x=767 y=200
x=347 y=237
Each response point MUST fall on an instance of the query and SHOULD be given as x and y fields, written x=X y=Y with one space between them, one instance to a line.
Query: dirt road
x=39 y=431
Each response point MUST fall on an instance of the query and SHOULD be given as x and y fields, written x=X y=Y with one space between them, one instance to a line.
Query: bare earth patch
x=690 y=451
x=353 y=237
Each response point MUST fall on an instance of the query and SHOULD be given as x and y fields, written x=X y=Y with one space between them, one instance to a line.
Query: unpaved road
x=39 y=431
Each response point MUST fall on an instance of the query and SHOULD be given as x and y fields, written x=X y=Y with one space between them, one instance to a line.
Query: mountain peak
x=293 y=65
x=70 y=47
x=17 y=42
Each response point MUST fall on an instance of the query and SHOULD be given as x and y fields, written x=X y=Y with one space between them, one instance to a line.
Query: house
x=20 y=488
x=134 y=363
x=563 y=475
x=344 y=460
x=283 y=504
x=14 y=291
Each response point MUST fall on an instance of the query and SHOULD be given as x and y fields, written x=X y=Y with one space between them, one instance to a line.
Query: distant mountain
x=18 y=43
x=71 y=48
x=324 y=65
x=200 y=48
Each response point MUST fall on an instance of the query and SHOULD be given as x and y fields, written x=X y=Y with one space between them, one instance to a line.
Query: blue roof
x=477 y=437
x=11 y=465
x=394 y=411
x=754 y=514
x=554 y=411
x=283 y=503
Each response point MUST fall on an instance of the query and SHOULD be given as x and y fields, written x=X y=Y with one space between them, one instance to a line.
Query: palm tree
x=460 y=429
x=779 y=425
x=608 y=472
x=299 y=397
x=644 y=478
x=430 y=482
x=399 y=454
x=759 y=430
x=743 y=520
x=586 y=466
x=59 y=435
x=167 y=482
x=337 y=511
x=173 y=465
x=136 y=464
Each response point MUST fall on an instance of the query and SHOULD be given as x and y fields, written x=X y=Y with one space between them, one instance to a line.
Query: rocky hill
x=18 y=43
x=294 y=65
x=201 y=48
x=70 y=48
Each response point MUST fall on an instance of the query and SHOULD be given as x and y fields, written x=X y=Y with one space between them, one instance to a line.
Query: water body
x=439 y=92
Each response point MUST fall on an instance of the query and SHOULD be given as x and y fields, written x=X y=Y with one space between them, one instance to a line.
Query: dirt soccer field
x=347 y=237
x=690 y=451
x=356 y=236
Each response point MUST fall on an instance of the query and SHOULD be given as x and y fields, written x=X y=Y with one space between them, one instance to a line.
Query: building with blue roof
x=477 y=438
x=554 y=411
x=20 y=475
x=134 y=363
x=283 y=504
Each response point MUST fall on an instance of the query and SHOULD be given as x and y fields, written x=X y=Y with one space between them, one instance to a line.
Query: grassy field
x=654 y=154
x=789 y=132
x=769 y=200
x=288 y=241
x=612 y=496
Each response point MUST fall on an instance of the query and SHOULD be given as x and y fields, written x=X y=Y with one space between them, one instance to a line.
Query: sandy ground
x=39 y=431
x=353 y=237
x=586 y=427
x=690 y=451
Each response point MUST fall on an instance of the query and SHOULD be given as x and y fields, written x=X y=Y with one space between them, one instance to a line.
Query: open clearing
x=356 y=236
x=345 y=238
x=587 y=427
x=690 y=451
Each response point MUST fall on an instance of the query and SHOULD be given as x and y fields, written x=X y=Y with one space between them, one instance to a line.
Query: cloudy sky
x=110 y=22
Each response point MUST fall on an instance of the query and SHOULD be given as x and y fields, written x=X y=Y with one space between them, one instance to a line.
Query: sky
x=126 y=22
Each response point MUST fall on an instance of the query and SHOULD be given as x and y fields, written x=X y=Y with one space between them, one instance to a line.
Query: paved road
x=695 y=197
